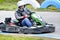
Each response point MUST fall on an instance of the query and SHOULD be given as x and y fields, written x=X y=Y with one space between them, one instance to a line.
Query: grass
x=10 y=37
x=4 y=37
x=8 y=6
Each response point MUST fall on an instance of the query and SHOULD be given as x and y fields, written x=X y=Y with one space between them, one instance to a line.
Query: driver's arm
x=18 y=16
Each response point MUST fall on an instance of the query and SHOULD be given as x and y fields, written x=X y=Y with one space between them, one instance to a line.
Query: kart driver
x=22 y=14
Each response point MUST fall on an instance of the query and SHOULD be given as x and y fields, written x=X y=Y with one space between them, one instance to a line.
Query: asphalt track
x=49 y=17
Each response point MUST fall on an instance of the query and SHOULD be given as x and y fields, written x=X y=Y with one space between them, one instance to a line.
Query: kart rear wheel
x=51 y=29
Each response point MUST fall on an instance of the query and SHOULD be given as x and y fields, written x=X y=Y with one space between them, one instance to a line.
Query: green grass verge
x=22 y=37
x=8 y=6
x=4 y=37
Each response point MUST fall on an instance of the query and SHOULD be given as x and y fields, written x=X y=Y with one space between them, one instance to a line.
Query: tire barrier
x=34 y=3
x=47 y=3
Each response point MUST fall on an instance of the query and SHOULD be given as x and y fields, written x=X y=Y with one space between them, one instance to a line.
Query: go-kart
x=39 y=26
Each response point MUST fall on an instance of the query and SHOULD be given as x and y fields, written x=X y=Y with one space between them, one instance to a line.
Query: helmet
x=20 y=3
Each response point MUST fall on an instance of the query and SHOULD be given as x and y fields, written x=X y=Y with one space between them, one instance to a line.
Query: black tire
x=51 y=29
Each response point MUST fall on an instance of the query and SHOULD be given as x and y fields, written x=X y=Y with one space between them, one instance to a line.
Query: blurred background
x=12 y=5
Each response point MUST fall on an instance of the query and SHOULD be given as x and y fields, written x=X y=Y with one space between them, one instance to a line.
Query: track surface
x=49 y=17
